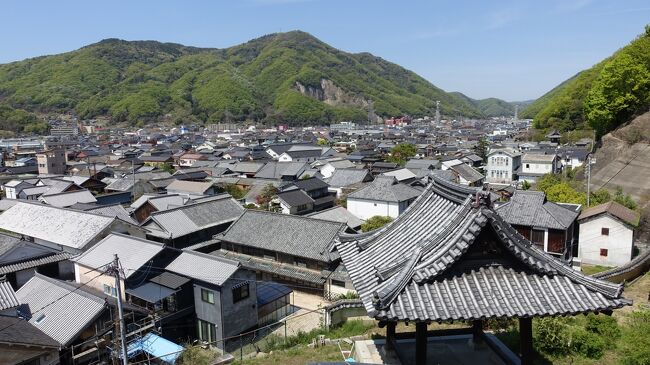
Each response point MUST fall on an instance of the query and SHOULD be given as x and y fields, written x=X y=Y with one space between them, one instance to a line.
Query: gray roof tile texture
x=403 y=271
x=385 y=188
x=298 y=236
x=530 y=208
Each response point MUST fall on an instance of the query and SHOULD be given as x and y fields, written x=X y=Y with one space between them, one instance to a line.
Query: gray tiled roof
x=133 y=252
x=113 y=210
x=337 y=214
x=294 y=235
x=17 y=331
x=387 y=189
x=346 y=177
x=446 y=258
x=294 y=198
x=530 y=208
x=50 y=302
x=63 y=200
x=191 y=218
x=62 y=226
x=468 y=173
x=275 y=170
x=203 y=267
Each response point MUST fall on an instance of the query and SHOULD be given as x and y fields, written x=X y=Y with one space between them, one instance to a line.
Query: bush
x=375 y=222
x=635 y=341
x=587 y=344
x=551 y=336
x=603 y=325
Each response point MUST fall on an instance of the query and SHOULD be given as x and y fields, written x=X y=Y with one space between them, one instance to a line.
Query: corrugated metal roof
x=194 y=187
x=10 y=268
x=62 y=226
x=133 y=252
x=207 y=268
x=57 y=309
x=8 y=297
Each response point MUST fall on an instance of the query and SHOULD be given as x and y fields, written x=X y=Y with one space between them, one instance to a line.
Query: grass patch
x=594 y=269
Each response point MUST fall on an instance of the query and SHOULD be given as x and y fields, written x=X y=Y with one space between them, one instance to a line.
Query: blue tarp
x=155 y=346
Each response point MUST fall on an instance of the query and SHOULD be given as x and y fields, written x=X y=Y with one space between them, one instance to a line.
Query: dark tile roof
x=447 y=258
x=311 y=184
x=385 y=188
x=170 y=280
x=17 y=331
x=530 y=208
x=294 y=198
x=294 y=235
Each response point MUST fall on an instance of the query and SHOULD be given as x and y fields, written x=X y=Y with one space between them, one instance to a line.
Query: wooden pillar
x=526 y=340
x=420 y=343
x=477 y=330
x=390 y=336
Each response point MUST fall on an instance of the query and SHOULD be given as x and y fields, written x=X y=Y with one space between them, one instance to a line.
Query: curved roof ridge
x=541 y=262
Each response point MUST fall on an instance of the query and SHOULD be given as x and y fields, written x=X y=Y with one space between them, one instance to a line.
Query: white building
x=607 y=234
x=536 y=165
x=502 y=165
x=383 y=197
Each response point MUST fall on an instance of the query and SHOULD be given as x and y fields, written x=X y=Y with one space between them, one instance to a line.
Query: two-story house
x=502 y=165
x=383 y=197
x=607 y=234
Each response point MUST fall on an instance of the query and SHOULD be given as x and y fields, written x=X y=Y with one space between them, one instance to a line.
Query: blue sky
x=514 y=50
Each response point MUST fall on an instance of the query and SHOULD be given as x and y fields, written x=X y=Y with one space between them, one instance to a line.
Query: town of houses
x=201 y=234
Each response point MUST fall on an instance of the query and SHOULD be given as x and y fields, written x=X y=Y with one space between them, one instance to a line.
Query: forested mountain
x=290 y=77
x=603 y=97
x=491 y=107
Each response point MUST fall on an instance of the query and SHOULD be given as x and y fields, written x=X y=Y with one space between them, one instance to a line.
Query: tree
x=401 y=153
x=600 y=196
x=267 y=194
x=375 y=222
x=564 y=193
x=481 y=148
x=621 y=89
x=525 y=185
x=624 y=199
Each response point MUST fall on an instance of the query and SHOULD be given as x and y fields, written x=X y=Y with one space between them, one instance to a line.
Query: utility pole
x=588 y=179
x=114 y=270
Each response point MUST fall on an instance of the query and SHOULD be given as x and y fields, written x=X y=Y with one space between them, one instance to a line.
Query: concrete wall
x=84 y=275
x=618 y=243
x=365 y=209
x=500 y=167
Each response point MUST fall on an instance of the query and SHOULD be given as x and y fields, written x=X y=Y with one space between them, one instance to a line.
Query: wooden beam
x=390 y=336
x=420 y=343
x=477 y=330
x=526 y=340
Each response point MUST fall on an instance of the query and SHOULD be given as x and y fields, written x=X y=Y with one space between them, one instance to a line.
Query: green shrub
x=635 y=340
x=551 y=336
x=603 y=325
x=587 y=344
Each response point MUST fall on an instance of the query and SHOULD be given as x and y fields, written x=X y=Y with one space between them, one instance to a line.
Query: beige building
x=51 y=162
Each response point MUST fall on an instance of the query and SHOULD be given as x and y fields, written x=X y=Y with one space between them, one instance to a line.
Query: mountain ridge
x=281 y=77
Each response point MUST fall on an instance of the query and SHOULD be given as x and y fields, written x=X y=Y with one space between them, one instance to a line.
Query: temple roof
x=450 y=256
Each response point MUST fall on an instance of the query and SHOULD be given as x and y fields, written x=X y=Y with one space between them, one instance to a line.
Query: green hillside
x=490 y=107
x=602 y=97
x=290 y=77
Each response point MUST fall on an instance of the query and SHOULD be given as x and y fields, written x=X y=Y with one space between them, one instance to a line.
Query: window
x=207 y=331
x=207 y=296
x=537 y=236
x=603 y=252
x=338 y=283
x=527 y=165
x=109 y=290
x=240 y=293
x=604 y=231
x=40 y=319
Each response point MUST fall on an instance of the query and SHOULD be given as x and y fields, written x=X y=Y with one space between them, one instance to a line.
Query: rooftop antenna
x=437 y=111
